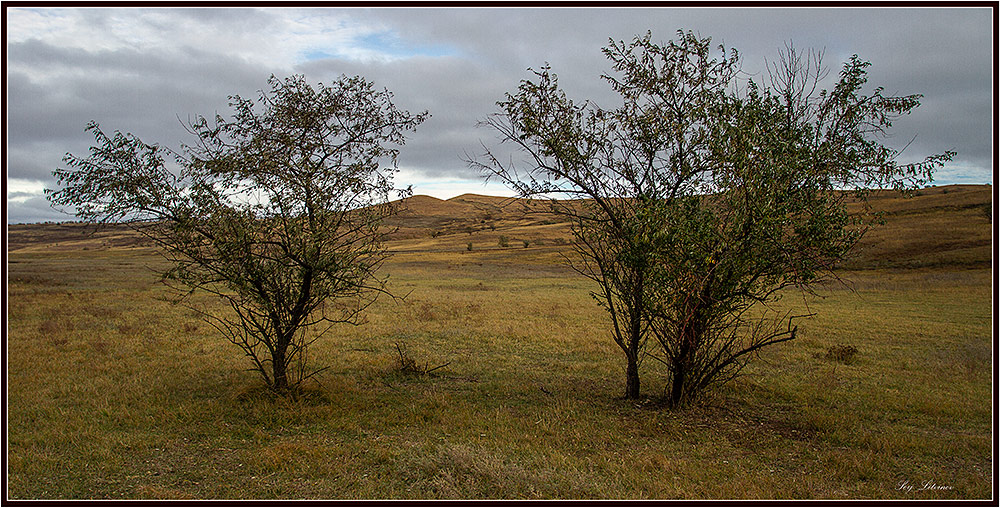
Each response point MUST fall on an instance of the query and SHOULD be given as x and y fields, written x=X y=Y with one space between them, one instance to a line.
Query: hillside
x=938 y=226
x=493 y=374
x=423 y=216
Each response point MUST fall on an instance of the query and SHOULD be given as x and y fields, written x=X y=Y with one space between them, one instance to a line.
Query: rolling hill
x=938 y=226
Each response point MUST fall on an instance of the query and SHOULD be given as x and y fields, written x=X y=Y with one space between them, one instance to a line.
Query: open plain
x=115 y=392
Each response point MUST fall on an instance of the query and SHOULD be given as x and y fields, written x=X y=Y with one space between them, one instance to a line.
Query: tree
x=625 y=165
x=706 y=195
x=784 y=162
x=276 y=211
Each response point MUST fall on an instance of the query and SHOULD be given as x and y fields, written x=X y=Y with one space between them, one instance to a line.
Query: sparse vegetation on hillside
x=927 y=231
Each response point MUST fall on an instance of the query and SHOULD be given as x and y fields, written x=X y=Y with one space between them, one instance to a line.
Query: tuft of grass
x=841 y=353
x=407 y=365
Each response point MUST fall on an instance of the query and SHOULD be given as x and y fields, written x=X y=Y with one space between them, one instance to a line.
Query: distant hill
x=938 y=226
x=950 y=225
x=426 y=215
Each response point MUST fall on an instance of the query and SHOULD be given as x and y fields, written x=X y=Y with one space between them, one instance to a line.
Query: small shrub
x=841 y=353
x=427 y=312
x=468 y=246
x=407 y=365
x=503 y=241
x=526 y=243
x=49 y=327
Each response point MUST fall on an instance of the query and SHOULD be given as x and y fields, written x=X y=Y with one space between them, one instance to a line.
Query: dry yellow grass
x=115 y=393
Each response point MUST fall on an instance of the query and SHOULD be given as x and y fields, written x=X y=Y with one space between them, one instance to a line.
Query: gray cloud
x=456 y=93
x=138 y=70
x=127 y=89
x=34 y=209
x=142 y=93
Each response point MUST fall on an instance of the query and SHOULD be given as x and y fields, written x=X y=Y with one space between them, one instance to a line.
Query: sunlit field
x=115 y=392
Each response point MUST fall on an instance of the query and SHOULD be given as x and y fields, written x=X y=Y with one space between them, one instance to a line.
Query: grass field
x=113 y=392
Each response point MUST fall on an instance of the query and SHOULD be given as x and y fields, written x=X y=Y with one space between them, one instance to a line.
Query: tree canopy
x=706 y=193
x=276 y=210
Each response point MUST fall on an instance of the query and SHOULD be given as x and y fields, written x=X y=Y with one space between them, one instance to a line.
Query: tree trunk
x=677 y=386
x=632 y=378
x=280 y=369
x=635 y=339
x=681 y=364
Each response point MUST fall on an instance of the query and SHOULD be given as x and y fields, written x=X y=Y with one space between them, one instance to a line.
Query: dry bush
x=407 y=365
x=100 y=347
x=49 y=327
x=841 y=353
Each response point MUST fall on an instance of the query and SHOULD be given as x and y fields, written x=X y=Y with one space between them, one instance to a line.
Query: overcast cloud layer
x=138 y=70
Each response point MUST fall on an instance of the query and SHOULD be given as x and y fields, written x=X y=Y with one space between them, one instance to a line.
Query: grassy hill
x=938 y=226
x=116 y=392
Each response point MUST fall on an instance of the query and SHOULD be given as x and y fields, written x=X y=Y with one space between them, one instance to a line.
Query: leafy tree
x=276 y=211
x=623 y=164
x=705 y=194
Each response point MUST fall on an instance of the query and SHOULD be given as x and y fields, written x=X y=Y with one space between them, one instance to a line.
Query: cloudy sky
x=139 y=70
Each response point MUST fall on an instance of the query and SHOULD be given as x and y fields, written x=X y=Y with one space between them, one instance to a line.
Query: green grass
x=116 y=393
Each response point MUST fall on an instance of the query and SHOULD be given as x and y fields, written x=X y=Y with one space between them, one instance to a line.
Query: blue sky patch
x=316 y=55
x=388 y=43
x=384 y=43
